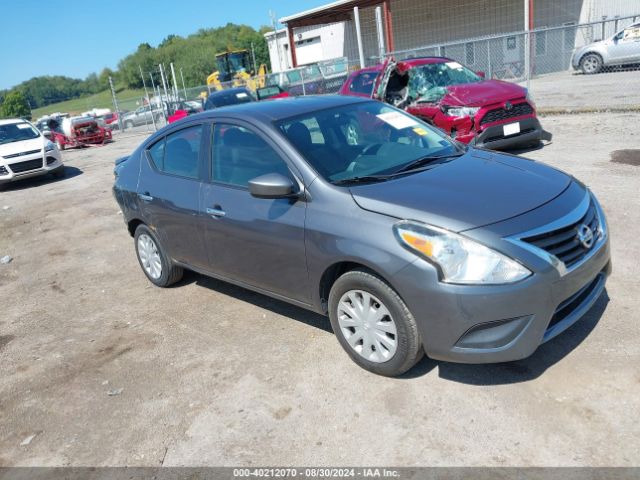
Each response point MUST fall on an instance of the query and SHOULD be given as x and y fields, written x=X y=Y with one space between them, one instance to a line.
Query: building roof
x=337 y=11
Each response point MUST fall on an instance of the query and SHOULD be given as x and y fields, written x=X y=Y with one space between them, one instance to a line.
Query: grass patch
x=126 y=101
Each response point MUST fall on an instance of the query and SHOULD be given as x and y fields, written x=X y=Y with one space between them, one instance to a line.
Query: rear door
x=171 y=175
x=257 y=241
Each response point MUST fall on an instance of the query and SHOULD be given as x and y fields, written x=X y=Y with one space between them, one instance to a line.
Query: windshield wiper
x=420 y=162
x=363 y=179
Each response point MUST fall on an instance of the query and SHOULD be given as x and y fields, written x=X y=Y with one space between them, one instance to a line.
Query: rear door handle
x=216 y=212
x=145 y=196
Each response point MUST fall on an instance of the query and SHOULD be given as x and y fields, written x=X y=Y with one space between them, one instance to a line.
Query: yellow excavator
x=235 y=70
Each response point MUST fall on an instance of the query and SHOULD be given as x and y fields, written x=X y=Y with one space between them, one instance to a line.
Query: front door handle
x=145 y=196
x=216 y=212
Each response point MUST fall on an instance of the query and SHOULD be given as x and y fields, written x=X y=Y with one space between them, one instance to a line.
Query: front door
x=625 y=46
x=257 y=241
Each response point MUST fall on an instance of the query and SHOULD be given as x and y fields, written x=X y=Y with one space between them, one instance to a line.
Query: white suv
x=25 y=152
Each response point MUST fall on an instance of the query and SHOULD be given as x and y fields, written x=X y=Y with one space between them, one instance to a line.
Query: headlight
x=530 y=99
x=460 y=259
x=49 y=146
x=461 y=111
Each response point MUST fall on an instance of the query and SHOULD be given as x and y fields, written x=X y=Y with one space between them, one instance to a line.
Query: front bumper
x=37 y=164
x=490 y=324
x=493 y=137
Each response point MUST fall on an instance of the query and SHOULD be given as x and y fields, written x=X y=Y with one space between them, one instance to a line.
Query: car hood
x=482 y=93
x=23 y=146
x=475 y=190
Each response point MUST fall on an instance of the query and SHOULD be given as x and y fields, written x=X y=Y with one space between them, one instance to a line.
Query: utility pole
x=144 y=85
x=253 y=56
x=275 y=32
x=183 y=87
x=115 y=103
x=175 y=83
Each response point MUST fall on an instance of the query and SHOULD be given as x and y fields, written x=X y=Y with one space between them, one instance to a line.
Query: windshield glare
x=363 y=139
x=16 y=132
x=428 y=82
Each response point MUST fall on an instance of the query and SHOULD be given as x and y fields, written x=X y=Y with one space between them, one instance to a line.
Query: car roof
x=9 y=121
x=414 y=62
x=272 y=110
x=228 y=91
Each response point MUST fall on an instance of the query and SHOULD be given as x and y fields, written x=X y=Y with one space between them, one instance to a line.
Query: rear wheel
x=373 y=324
x=591 y=63
x=154 y=261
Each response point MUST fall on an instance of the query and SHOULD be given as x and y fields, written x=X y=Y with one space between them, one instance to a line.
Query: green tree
x=15 y=105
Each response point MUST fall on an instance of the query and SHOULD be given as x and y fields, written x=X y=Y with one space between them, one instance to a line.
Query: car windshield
x=362 y=140
x=428 y=83
x=16 y=132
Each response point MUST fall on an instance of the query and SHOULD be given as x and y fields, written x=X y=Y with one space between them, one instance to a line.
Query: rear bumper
x=493 y=137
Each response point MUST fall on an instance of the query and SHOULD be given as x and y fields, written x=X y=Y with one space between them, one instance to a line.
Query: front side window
x=364 y=139
x=632 y=33
x=16 y=132
x=240 y=155
x=178 y=153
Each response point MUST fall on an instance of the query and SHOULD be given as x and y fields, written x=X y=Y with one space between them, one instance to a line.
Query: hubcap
x=591 y=64
x=367 y=326
x=149 y=256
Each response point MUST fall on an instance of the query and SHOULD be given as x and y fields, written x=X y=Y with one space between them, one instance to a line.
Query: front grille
x=22 y=154
x=26 y=166
x=572 y=303
x=499 y=114
x=3 y=170
x=564 y=244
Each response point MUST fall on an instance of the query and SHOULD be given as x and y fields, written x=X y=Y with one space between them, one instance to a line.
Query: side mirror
x=271 y=185
x=481 y=74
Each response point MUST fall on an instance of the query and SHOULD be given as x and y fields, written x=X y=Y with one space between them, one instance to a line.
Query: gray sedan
x=621 y=49
x=407 y=240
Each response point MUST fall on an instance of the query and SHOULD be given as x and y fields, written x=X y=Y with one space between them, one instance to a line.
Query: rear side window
x=363 y=83
x=179 y=152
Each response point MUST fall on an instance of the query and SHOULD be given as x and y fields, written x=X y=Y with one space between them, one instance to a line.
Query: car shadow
x=524 y=150
x=547 y=355
x=259 y=300
x=34 y=182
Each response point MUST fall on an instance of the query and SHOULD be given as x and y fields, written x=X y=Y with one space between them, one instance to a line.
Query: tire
x=398 y=327
x=591 y=63
x=128 y=124
x=169 y=273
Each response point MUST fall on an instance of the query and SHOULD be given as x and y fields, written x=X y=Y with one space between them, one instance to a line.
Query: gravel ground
x=569 y=90
x=101 y=368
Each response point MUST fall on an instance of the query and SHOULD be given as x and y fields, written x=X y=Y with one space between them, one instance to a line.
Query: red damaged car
x=485 y=113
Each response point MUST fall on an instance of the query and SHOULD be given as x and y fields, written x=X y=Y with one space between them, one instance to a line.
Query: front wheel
x=373 y=324
x=154 y=261
x=591 y=63
x=128 y=124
